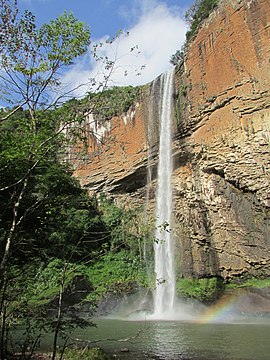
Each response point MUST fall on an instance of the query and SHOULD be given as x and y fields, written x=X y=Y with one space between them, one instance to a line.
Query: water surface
x=174 y=340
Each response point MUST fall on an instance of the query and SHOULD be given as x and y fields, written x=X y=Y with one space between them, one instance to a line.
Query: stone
x=221 y=147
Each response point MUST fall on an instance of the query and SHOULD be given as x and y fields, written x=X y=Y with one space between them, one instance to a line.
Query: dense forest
x=54 y=237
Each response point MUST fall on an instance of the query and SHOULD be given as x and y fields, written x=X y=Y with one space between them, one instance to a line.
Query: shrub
x=251 y=282
x=199 y=11
x=89 y=354
x=115 y=273
x=205 y=289
x=177 y=58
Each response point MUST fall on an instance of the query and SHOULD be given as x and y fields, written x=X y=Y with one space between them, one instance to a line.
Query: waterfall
x=163 y=245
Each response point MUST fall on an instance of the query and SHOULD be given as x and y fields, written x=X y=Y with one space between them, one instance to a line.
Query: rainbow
x=222 y=311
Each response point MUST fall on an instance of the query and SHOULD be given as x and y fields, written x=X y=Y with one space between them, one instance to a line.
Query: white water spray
x=164 y=248
x=166 y=305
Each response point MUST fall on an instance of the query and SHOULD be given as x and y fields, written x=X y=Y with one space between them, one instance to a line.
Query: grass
x=86 y=354
x=252 y=282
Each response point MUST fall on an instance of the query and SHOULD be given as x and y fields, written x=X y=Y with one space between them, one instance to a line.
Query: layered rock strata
x=222 y=193
x=221 y=147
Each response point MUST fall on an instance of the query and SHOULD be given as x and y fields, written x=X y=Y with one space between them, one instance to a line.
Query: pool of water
x=172 y=340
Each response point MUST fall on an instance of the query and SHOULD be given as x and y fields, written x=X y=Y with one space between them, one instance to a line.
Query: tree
x=177 y=58
x=42 y=208
x=32 y=59
x=126 y=227
x=30 y=69
x=31 y=63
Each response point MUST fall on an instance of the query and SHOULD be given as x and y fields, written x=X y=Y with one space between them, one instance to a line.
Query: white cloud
x=157 y=32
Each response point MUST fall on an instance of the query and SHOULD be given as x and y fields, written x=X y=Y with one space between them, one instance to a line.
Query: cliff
x=220 y=146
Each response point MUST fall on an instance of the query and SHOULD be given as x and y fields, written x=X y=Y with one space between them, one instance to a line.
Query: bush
x=115 y=273
x=89 y=354
x=251 y=282
x=111 y=102
x=205 y=289
x=199 y=11
x=43 y=286
x=177 y=58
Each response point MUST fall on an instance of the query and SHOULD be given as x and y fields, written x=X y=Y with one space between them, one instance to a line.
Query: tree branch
x=12 y=112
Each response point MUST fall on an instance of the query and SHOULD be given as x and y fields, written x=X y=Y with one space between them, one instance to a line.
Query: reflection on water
x=232 y=329
x=173 y=335
x=174 y=340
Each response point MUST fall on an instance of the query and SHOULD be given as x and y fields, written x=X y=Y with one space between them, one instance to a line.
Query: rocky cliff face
x=221 y=147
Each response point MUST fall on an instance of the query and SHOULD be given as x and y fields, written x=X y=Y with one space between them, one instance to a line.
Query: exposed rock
x=223 y=211
x=221 y=147
x=76 y=291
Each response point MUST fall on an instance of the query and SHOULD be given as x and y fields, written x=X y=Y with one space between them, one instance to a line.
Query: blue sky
x=156 y=27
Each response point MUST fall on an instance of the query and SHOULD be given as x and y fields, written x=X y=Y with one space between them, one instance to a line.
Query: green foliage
x=47 y=221
x=116 y=273
x=125 y=226
x=205 y=289
x=33 y=57
x=86 y=354
x=64 y=39
x=177 y=57
x=251 y=282
x=35 y=286
x=59 y=216
x=198 y=12
x=30 y=138
x=112 y=214
x=43 y=287
x=112 y=102
x=183 y=89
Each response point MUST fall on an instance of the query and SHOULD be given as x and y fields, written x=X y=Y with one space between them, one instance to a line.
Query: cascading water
x=166 y=305
x=163 y=247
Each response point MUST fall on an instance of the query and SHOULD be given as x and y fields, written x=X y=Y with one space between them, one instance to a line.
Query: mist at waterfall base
x=156 y=324
x=229 y=309
x=175 y=340
x=165 y=306
x=162 y=304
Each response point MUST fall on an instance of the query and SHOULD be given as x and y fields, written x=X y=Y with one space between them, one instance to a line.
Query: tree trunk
x=59 y=312
x=4 y=261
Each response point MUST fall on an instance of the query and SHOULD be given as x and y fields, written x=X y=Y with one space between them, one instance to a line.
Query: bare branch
x=91 y=342
x=13 y=112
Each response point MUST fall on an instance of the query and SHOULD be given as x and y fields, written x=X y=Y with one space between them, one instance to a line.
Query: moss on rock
x=205 y=289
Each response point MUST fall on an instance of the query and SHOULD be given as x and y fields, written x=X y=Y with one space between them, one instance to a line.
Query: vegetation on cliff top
x=111 y=102
x=199 y=11
x=195 y=15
